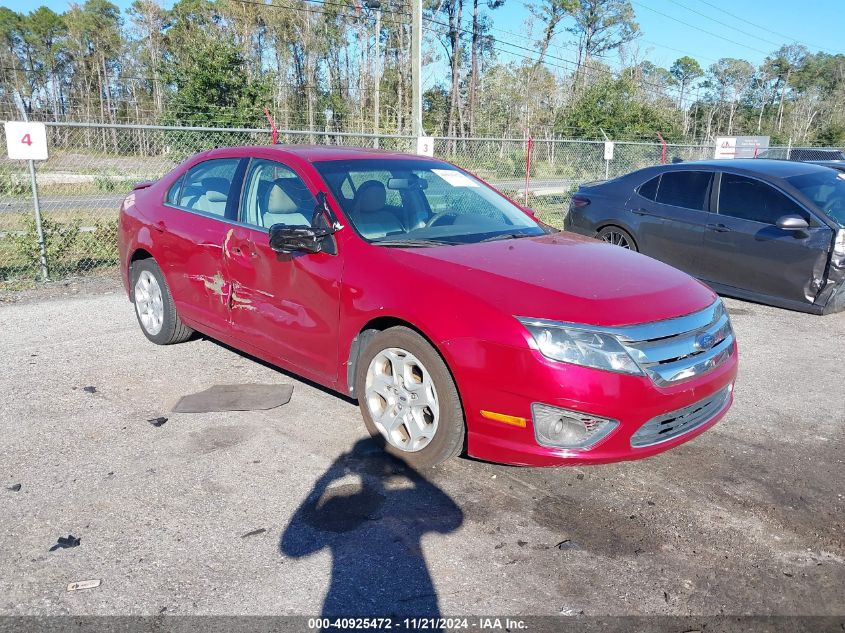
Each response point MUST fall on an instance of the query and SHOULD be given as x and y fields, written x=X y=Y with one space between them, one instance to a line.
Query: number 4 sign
x=26 y=141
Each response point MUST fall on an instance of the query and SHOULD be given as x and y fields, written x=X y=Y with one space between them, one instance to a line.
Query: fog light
x=562 y=428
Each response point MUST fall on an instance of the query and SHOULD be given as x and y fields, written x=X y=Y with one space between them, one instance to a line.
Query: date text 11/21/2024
x=418 y=624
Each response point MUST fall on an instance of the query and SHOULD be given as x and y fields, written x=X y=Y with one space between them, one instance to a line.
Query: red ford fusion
x=458 y=321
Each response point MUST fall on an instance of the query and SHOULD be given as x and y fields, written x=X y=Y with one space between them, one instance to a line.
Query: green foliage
x=13 y=186
x=71 y=247
x=209 y=75
x=618 y=107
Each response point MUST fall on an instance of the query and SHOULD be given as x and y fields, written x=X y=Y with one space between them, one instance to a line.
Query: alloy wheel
x=402 y=399
x=148 y=302
x=616 y=238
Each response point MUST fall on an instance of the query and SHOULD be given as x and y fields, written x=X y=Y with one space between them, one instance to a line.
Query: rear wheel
x=618 y=237
x=154 y=305
x=408 y=397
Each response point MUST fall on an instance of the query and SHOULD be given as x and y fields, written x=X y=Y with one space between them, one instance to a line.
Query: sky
x=703 y=29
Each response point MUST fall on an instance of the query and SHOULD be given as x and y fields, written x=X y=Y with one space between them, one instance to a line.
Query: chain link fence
x=92 y=167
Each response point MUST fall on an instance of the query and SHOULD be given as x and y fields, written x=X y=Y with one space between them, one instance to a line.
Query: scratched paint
x=229 y=234
x=214 y=284
x=241 y=303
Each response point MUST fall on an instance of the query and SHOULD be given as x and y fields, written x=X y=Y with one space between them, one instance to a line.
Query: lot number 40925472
x=26 y=141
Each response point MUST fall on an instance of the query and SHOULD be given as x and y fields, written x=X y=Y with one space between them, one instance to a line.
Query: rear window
x=687 y=189
x=206 y=186
x=649 y=189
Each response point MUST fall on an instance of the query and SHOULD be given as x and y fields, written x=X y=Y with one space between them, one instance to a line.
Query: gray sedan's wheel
x=408 y=397
x=618 y=237
x=154 y=305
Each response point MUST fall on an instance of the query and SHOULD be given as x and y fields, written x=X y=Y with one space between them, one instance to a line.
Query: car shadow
x=281 y=370
x=371 y=511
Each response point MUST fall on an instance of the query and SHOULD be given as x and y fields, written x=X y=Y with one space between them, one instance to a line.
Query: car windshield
x=406 y=202
x=826 y=189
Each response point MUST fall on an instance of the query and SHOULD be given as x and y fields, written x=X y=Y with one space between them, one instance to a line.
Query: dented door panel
x=194 y=265
x=767 y=260
x=285 y=304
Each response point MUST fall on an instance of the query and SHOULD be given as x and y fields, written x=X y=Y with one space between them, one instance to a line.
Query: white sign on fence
x=425 y=146
x=728 y=147
x=26 y=141
x=608 y=150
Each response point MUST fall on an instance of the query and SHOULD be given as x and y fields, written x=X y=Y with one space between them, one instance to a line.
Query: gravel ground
x=209 y=513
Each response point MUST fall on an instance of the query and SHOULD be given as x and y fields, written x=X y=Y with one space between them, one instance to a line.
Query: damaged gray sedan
x=764 y=230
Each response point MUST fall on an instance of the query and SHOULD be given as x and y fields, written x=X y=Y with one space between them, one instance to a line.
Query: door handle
x=641 y=212
x=719 y=228
x=160 y=226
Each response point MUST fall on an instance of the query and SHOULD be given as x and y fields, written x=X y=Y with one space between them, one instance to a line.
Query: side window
x=207 y=186
x=750 y=199
x=687 y=189
x=274 y=194
x=649 y=189
x=173 y=192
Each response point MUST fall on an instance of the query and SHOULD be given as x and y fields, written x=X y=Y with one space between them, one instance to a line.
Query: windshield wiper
x=418 y=243
x=503 y=236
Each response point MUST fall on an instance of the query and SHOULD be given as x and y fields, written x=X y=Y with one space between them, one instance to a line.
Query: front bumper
x=507 y=380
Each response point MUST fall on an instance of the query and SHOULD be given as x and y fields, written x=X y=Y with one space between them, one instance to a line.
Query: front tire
x=408 y=397
x=617 y=237
x=154 y=305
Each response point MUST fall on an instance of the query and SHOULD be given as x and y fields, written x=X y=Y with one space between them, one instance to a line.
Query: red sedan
x=458 y=321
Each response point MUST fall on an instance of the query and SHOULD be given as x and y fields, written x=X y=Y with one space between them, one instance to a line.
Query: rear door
x=646 y=222
x=746 y=249
x=193 y=226
x=285 y=304
x=672 y=221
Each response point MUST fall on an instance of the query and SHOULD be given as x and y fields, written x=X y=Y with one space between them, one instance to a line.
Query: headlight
x=581 y=347
x=839 y=244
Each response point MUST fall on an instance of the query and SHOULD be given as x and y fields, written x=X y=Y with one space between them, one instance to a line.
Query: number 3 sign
x=26 y=141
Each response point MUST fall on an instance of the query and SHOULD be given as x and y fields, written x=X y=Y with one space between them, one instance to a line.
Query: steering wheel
x=435 y=220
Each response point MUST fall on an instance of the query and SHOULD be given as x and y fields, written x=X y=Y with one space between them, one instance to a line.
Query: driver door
x=747 y=250
x=287 y=305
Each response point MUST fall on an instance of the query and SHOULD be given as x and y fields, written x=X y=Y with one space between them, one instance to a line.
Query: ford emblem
x=704 y=341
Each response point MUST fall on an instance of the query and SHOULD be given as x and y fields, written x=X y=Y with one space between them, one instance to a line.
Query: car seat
x=368 y=212
x=281 y=208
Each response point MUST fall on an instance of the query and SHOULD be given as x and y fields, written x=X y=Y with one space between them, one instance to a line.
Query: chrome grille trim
x=666 y=350
x=676 y=423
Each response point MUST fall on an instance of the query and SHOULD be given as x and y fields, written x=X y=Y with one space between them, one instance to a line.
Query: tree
x=602 y=26
x=782 y=64
x=685 y=70
x=616 y=107
x=551 y=14
x=729 y=79
x=207 y=71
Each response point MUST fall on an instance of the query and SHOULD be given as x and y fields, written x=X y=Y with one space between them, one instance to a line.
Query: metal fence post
x=39 y=229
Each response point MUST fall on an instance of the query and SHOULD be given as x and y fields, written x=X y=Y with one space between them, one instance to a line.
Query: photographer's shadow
x=373 y=525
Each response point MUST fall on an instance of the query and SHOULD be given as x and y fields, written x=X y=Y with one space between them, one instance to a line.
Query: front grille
x=682 y=348
x=670 y=425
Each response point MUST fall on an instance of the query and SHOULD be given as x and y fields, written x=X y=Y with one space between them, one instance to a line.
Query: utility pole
x=376 y=4
x=416 y=68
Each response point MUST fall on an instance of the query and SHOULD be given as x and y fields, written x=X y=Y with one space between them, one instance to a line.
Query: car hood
x=564 y=277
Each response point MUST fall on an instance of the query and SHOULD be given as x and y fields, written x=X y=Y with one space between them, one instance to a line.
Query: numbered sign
x=608 y=150
x=26 y=141
x=425 y=146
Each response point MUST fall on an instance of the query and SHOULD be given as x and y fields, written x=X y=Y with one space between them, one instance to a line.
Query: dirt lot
x=747 y=519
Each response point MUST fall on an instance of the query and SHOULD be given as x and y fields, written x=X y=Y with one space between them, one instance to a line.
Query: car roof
x=316 y=153
x=753 y=166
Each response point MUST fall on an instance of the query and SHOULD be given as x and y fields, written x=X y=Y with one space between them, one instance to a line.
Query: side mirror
x=530 y=212
x=296 y=239
x=792 y=223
